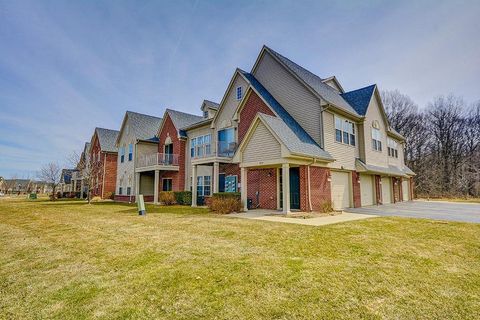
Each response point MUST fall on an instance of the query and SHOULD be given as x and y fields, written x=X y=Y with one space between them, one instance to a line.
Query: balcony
x=224 y=150
x=157 y=160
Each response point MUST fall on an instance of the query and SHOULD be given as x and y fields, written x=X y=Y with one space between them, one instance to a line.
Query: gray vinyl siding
x=262 y=146
x=302 y=105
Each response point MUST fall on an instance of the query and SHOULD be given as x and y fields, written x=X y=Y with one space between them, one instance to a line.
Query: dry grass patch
x=70 y=260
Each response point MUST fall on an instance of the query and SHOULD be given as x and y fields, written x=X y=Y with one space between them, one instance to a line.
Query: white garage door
x=340 y=190
x=405 y=190
x=386 y=190
x=366 y=189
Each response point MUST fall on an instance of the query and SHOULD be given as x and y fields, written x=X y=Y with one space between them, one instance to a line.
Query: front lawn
x=68 y=259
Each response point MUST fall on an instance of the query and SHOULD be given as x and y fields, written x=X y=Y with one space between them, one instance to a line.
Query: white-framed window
x=201 y=146
x=392 y=147
x=345 y=131
x=122 y=154
x=120 y=190
x=130 y=152
x=129 y=190
x=376 y=139
x=205 y=114
x=239 y=93
x=203 y=186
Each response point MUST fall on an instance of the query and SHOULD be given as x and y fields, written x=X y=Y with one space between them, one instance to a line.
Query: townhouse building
x=137 y=137
x=103 y=162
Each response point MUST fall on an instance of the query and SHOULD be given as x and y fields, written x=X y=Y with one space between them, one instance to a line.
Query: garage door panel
x=386 y=190
x=340 y=190
x=366 y=190
x=405 y=190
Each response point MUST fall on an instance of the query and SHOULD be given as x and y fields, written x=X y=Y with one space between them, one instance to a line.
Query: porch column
x=194 y=185
x=137 y=185
x=243 y=189
x=216 y=176
x=155 y=187
x=286 y=187
x=81 y=188
x=75 y=185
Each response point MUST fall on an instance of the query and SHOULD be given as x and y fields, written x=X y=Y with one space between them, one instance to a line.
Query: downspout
x=103 y=179
x=309 y=186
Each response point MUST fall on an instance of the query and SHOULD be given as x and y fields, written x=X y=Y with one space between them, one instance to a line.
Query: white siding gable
x=374 y=113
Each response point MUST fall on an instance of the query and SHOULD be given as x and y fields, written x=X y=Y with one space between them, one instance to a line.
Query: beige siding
x=398 y=162
x=334 y=85
x=302 y=105
x=344 y=154
x=188 y=161
x=373 y=157
x=261 y=146
x=126 y=170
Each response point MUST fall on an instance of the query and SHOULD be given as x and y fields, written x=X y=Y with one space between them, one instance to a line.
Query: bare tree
x=11 y=184
x=51 y=174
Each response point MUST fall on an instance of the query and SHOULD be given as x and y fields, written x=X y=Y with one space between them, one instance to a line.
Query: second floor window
x=344 y=131
x=122 y=154
x=392 y=147
x=239 y=93
x=130 y=152
x=201 y=146
x=376 y=139
x=226 y=142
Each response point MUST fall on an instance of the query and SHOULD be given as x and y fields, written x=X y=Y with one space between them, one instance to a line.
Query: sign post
x=141 y=206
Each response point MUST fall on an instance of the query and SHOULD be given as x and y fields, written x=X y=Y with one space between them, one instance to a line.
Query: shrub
x=225 y=202
x=109 y=195
x=96 y=199
x=167 y=198
x=326 y=206
x=183 y=197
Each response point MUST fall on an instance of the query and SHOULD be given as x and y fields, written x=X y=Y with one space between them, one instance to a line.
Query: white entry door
x=406 y=190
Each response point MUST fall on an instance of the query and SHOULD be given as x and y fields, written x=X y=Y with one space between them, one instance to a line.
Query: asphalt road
x=451 y=211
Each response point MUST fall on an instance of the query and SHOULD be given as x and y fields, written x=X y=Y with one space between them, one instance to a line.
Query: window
x=344 y=131
x=167 y=184
x=203 y=186
x=226 y=142
x=129 y=191
x=205 y=114
x=130 y=152
x=392 y=148
x=122 y=154
x=239 y=93
x=376 y=139
x=120 y=190
x=201 y=146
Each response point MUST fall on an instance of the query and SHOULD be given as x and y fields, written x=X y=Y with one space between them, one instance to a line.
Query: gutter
x=103 y=178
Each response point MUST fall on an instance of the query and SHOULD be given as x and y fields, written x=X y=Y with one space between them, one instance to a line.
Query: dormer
x=334 y=84
x=209 y=109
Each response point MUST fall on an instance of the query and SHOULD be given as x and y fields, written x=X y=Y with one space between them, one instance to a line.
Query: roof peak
x=142 y=114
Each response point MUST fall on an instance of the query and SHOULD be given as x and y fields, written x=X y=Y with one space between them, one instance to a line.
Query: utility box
x=32 y=196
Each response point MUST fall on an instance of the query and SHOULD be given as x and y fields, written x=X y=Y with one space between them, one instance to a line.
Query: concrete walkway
x=274 y=216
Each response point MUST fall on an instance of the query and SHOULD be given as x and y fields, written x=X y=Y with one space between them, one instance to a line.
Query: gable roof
x=360 y=99
x=210 y=104
x=66 y=176
x=142 y=125
x=315 y=83
x=107 y=139
x=295 y=138
x=182 y=120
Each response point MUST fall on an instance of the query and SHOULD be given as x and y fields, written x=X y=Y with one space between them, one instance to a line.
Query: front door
x=294 y=188
x=221 y=182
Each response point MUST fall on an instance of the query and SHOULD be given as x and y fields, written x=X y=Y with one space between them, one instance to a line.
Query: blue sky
x=69 y=66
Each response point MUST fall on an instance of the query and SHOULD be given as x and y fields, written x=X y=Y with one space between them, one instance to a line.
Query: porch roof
x=390 y=170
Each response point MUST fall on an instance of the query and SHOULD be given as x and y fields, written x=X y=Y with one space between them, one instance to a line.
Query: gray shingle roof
x=210 y=104
x=291 y=140
x=390 y=170
x=315 y=82
x=182 y=120
x=107 y=139
x=142 y=125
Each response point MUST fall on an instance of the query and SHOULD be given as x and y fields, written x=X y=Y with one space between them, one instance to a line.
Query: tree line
x=442 y=143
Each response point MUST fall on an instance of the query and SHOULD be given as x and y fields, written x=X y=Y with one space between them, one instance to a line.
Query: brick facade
x=103 y=170
x=357 y=201
x=178 y=177
x=320 y=188
x=252 y=106
x=378 y=189
x=263 y=181
x=396 y=183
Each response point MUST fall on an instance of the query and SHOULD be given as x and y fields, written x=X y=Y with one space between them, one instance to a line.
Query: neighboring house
x=103 y=162
x=165 y=168
x=137 y=136
x=65 y=185
x=84 y=176
x=16 y=186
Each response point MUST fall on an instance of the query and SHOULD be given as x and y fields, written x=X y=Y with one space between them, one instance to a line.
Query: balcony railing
x=162 y=159
x=224 y=149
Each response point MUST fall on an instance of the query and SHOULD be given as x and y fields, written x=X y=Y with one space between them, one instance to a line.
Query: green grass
x=68 y=260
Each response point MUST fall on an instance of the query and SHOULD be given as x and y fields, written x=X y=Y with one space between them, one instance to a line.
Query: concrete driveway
x=452 y=211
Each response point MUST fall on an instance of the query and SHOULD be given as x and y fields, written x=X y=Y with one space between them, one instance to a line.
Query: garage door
x=340 y=190
x=405 y=190
x=386 y=190
x=366 y=189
